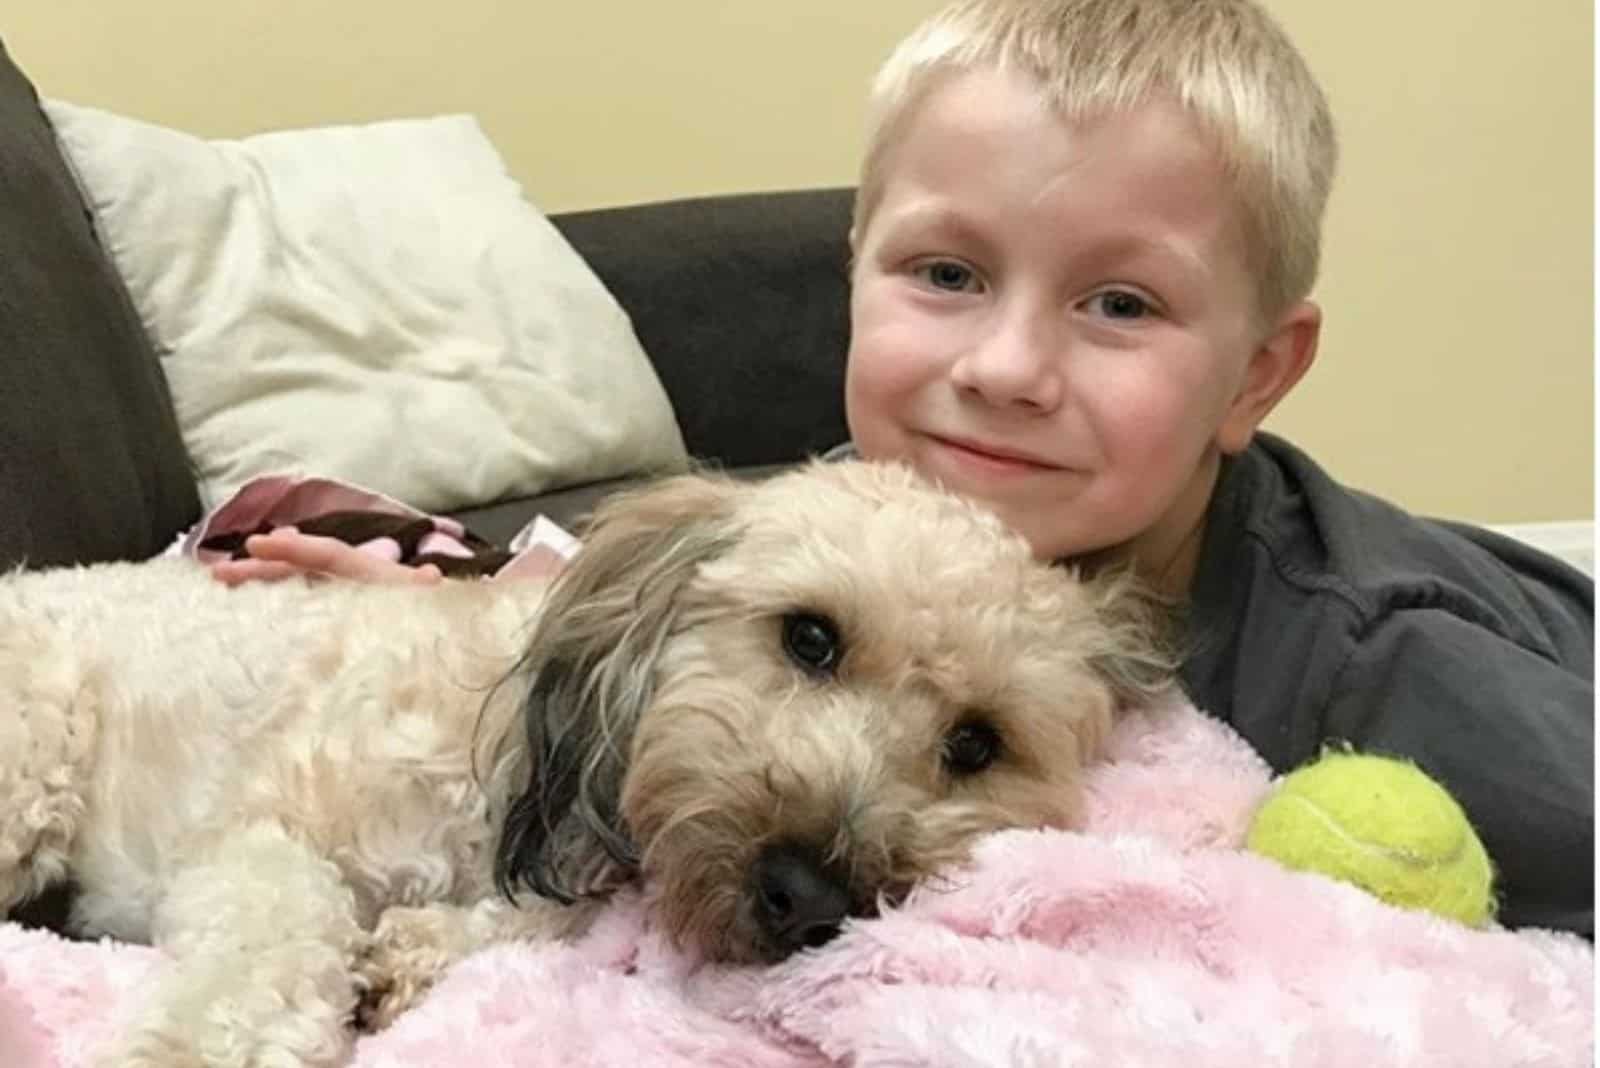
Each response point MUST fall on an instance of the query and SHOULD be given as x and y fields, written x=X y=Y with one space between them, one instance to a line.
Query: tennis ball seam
x=1403 y=856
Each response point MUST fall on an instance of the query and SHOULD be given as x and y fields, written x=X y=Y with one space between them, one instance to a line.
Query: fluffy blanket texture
x=1148 y=939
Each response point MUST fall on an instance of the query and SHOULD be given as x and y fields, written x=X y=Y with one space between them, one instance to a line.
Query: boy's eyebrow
x=1130 y=245
x=1121 y=245
x=941 y=217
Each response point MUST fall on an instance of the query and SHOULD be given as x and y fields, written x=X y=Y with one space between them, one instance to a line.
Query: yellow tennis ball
x=1383 y=825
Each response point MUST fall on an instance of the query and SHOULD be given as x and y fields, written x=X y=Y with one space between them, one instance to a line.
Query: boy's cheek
x=891 y=359
x=883 y=378
x=894 y=333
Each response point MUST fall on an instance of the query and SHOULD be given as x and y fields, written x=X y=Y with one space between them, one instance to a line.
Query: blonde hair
x=1225 y=62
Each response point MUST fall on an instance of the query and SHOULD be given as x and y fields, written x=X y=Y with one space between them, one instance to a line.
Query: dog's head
x=785 y=702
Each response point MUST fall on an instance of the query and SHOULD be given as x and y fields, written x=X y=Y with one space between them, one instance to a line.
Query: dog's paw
x=408 y=951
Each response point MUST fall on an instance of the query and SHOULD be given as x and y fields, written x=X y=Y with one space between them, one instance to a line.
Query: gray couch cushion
x=92 y=466
x=742 y=304
x=569 y=508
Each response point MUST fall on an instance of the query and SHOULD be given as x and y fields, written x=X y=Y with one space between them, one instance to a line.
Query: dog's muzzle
x=799 y=903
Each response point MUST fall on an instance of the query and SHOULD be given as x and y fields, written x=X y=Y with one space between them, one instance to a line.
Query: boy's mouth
x=993 y=458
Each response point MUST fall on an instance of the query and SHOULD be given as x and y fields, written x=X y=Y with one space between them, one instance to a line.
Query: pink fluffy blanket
x=1147 y=939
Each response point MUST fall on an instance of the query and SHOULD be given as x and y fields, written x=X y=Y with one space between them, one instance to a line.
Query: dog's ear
x=590 y=666
x=1136 y=653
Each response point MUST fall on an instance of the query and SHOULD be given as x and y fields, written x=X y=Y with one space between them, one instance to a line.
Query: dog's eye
x=971 y=747
x=812 y=642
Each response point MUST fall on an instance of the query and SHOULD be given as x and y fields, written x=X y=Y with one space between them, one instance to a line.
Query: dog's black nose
x=798 y=903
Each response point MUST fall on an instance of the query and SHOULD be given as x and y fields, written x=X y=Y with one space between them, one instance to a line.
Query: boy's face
x=1055 y=318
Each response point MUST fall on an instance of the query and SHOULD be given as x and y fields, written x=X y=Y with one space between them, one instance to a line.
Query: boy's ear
x=1279 y=361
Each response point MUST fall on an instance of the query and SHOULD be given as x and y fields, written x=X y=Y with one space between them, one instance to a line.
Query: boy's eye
x=1120 y=304
x=949 y=275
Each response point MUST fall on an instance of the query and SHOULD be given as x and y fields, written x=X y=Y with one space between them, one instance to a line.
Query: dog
x=779 y=704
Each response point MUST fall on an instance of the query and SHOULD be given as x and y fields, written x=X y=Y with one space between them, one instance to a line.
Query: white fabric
x=1571 y=540
x=377 y=304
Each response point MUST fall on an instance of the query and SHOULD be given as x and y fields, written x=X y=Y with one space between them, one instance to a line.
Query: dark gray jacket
x=1320 y=613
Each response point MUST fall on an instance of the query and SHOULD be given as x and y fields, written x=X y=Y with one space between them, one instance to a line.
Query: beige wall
x=1456 y=369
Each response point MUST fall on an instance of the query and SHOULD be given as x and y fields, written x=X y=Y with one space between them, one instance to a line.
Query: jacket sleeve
x=1509 y=732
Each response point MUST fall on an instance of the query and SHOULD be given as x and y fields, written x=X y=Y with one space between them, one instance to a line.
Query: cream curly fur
x=310 y=793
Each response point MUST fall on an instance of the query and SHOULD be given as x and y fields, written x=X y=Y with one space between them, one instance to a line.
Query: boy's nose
x=1014 y=362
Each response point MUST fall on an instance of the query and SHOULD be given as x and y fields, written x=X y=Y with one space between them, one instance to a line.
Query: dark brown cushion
x=742 y=303
x=92 y=466
x=572 y=507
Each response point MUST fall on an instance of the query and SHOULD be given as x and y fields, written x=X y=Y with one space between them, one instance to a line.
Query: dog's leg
x=48 y=722
x=264 y=936
x=412 y=947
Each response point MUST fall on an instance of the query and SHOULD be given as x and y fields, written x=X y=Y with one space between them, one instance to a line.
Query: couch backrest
x=742 y=303
x=92 y=466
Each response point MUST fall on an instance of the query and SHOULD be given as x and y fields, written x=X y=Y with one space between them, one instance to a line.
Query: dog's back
x=150 y=707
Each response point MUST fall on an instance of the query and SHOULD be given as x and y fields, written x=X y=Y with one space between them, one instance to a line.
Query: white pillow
x=375 y=303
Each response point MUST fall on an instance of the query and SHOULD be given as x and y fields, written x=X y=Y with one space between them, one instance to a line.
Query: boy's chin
x=1047 y=528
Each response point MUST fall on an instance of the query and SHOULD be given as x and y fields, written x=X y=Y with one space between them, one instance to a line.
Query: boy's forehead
x=992 y=104
x=977 y=138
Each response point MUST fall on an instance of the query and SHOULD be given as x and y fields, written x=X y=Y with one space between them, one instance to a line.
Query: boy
x=1084 y=238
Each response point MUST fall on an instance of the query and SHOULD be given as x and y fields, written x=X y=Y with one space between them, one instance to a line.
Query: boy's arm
x=287 y=553
x=1509 y=732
